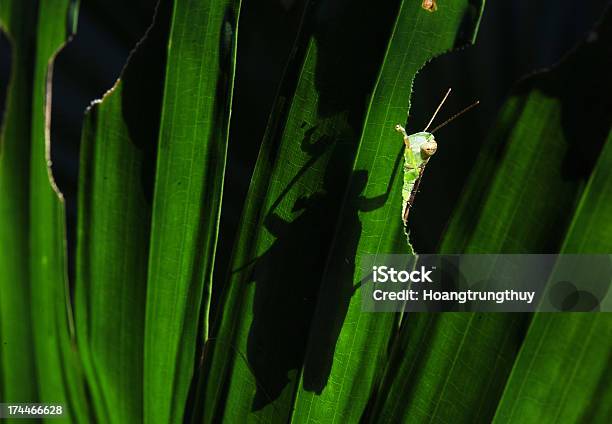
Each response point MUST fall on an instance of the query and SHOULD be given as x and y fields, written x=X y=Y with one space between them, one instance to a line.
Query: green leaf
x=187 y=197
x=16 y=339
x=115 y=190
x=322 y=175
x=590 y=231
x=60 y=379
x=33 y=220
x=449 y=366
x=563 y=371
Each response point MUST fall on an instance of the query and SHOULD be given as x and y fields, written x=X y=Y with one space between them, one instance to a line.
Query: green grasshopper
x=419 y=148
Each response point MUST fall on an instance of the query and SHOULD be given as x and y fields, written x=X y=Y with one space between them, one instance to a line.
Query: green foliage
x=39 y=361
x=146 y=248
x=334 y=168
x=563 y=369
x=191 y=155
x=287 y=340
x=18 y=355
x=117 y=157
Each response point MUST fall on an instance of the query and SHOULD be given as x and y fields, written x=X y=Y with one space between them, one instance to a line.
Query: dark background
x=516 y=38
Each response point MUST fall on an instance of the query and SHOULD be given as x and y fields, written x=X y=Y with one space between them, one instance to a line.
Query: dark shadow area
x=143 y=89
x=586 y=102
x=265 y=43
x=335 y=296
x=5 y=72
x=287 y=278
x=350 y=49
x=466 y=27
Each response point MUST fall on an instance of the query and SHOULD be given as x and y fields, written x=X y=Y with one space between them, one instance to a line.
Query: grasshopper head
x=429 y=148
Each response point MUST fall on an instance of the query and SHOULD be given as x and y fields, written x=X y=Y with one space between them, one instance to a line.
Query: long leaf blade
x=58 y=366
x=17 y=352
x=187 y=198
x=564 y=368
x=116 y=174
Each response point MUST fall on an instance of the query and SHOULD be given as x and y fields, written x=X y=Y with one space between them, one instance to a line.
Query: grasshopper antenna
x=455 y=116
x=437 y=110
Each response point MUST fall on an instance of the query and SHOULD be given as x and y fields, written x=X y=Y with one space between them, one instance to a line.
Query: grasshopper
x=419 y=147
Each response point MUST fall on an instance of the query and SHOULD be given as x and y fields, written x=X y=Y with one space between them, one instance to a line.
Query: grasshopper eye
x=428 y=149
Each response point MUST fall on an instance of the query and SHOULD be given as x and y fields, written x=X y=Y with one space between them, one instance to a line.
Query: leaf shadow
x=287 y=278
